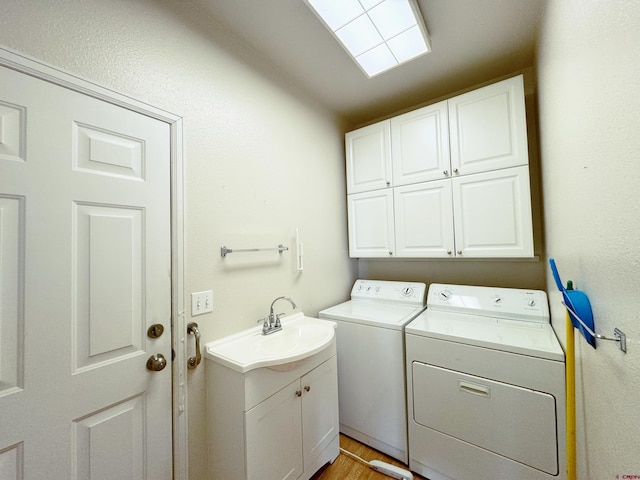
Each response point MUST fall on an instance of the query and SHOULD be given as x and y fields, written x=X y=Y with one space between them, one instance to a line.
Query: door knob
x=156 y=362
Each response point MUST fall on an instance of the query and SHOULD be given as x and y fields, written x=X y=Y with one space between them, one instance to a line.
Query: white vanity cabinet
x=460 y=181
x=273 y=423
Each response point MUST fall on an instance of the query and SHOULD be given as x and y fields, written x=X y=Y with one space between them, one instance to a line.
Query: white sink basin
x=299 y=338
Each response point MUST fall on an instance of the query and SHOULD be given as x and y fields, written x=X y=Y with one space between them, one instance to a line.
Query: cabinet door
x=273 y=432
x=320 y=422
x=488 y=128
x=420 y=145
x=424 y=220
x=370 y=217
x=492 y=213
x=368 y=152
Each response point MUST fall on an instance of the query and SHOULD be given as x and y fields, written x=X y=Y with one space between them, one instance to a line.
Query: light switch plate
x=201 y=302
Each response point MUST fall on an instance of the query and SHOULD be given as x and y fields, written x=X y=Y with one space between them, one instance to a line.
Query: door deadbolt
x=155 y=330
x=156 y=362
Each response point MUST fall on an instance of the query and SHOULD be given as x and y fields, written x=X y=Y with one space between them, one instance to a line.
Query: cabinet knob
x=390 y=252
x=307 y=388
x=388 y=183
x=459 y=252
x=298 y=393
x=455 y=170
x=448 y=252
x=446 y=173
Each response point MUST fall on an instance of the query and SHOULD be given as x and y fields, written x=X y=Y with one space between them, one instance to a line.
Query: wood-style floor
x=347 y=468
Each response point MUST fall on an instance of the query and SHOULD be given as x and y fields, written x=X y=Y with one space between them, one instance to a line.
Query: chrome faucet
x=272 y=323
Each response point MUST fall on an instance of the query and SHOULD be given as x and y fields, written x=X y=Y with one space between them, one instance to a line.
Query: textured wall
x=260 y=158
x=589 y=85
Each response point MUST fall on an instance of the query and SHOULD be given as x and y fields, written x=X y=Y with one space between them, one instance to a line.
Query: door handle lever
x=193 y=362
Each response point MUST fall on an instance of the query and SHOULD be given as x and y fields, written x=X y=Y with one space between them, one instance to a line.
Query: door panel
x=85 y=253
x=488 y=128
x=273 y=430
x=492 y=213
x=515 y=422
x=371 y=232
x=108 y=283
x=420 y=145
x=368 y=152
x=424 y=220
x=319 y=410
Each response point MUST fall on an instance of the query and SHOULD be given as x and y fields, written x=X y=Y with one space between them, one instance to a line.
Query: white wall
x=260 y=158
x=589 y=86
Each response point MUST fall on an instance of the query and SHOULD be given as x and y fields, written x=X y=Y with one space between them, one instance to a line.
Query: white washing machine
x=371 y=371
x=485 y=386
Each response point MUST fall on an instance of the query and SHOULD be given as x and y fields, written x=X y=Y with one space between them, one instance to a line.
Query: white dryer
x=370 y=355
x=485 y=386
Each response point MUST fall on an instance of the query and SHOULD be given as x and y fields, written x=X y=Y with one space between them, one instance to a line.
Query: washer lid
x=377 y=313
x=526 y=338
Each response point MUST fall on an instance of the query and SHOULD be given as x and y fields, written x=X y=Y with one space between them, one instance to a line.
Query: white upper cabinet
x=447 y=180
x=488 y=128
x=371 y=229
x=368 y=152
x=492 y=213
x=420 y=145
x=423 y=226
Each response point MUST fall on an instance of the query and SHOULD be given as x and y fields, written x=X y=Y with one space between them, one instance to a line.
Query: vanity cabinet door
x=320 y=422
x=273 y=432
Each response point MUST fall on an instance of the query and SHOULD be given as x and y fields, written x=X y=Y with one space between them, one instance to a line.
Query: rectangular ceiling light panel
x=378 y=34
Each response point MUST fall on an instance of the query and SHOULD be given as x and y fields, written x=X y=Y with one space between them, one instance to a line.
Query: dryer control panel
x=507 y=303
x=407 y=293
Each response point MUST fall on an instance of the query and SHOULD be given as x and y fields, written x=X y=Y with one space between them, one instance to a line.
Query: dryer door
x=515 y=422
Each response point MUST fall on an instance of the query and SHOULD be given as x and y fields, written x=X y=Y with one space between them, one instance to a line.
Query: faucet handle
x=277 y=325
x=265 y=323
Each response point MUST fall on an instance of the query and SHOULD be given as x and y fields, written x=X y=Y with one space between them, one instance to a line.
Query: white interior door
x=85 y=271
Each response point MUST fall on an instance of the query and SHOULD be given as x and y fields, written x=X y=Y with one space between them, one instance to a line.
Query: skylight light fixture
x=378 y=34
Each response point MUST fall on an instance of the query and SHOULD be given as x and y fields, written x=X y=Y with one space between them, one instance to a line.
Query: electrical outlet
x=201 y=302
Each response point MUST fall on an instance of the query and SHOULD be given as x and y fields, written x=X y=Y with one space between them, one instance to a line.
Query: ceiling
x=473 y=41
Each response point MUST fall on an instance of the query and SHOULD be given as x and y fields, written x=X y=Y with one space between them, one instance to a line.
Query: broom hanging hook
x=619 y=334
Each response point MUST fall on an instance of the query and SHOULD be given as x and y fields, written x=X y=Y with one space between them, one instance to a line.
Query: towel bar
x=224 y=250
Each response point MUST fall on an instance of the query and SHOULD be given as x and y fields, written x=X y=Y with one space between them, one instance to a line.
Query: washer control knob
x=444 y=295
x=531 y=303
x=497 y=300
x=407 y=291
